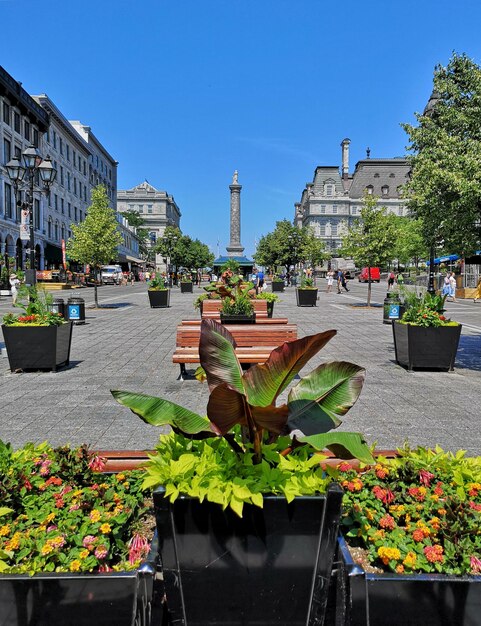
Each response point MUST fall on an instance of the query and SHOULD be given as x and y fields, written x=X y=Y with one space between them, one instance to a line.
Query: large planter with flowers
x=32 y=347
x=410 y=550
x=426 y=347
x=72 y=541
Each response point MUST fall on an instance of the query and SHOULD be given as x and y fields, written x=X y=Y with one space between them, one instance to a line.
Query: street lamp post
x=431 y=289
x=33 y=164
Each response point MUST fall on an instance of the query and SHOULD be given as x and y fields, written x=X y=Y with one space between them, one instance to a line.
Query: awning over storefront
x=134 y=259
x=53 y=254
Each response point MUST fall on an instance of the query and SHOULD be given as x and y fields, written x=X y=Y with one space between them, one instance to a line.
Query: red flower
x=475 y=565
x=344 y=467
x=434 y=554
x=418 y=535
x=425 y=477
x=438 y=490
x=97 y=463
x=387 y=522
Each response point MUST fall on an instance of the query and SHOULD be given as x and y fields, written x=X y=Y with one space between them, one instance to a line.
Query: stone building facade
x=157 y=208
x=332 y=202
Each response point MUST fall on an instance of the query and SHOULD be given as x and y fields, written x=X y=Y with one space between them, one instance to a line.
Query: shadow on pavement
x=469 y=353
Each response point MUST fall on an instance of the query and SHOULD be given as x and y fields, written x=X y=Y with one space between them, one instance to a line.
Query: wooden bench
x=254 y=342
x=211 y=308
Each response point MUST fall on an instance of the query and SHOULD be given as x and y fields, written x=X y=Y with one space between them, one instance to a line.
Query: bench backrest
x=244 y=334
x=211 y=308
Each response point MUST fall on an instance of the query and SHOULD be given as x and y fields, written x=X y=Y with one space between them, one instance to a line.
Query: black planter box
x=38 y=347
x=306 y=297
x=270 y=567
x=238 y=319
x=63 y=599
x=403 y=600
x=270 y=308
x=278 y=285
x=431 y=348
x=186 y=287
x=159 y=298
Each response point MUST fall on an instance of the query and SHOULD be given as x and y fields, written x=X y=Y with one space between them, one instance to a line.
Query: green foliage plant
x=35 y=304
x=424 y=309
x=157 y=284
x=267 y=295
x=245 y=429
x=60 y=514
x=307 y=283
x=418 y=513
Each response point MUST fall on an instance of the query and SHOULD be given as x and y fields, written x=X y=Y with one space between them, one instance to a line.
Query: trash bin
x=58 y=306
x=393 y=308
x=76 y=310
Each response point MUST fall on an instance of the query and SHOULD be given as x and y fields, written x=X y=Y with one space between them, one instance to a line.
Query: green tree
x=445 y=185
x=95 y=240
x=138 y=222
x=183 y=251
x=410 y=245
x=370 y=242
x=287 y=245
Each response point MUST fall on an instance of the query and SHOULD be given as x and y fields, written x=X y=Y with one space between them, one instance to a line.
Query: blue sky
x=183 y=92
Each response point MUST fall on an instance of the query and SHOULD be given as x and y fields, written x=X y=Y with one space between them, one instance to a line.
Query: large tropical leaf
x=217 y=356
x=328 y=392
x=227 y=407
x=160 y=412
x=263 y=383
x=343 y=445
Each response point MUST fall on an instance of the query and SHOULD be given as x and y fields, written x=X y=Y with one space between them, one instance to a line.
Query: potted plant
x=306 y=294
x=248 y=470
x=271 y=298
x=186 y=284
x=237 y=309
x=73 y=542
x=410 y=551
x=424 y=337
x=199 y=300
x=38 y=338
x=159 y=294
x=277 y=283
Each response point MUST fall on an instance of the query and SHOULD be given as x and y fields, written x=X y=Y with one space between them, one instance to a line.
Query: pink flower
x=88 y=540
x=74 y=507
x=51 y=527
x=138 y=548
x=475 y=565
x=103 y=567
x=344 y=467
x=97 y=463
x=425 y=477
x=101 y=552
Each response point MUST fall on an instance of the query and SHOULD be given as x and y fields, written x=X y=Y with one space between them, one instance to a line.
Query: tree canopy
x=287 y=245
x=183 y=251
x=445 y=185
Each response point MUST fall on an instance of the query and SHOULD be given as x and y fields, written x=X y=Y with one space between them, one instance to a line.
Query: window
x=55 y=140
x=61 y=145
x=55 y=204
x=323 y=208
x=26 y=130
x=68 y=181
x=354 y=210
x=334 y=208
x=369 y=189
x=36 y=213
x=56 y=231
x=62 y=206
x=385 y=190
x=334 y=229
x=35 y=137
x=85 y=193
x=16 y=122
x=74 y=157
x=149 y=209
x=141 y=208
x=69 y=206
x=18 y=152
x=329 y=190
x=61 y=173
x=75 y=185
x=6 y=113
x=322 y=230
x=49 y=228
x=81 y=216
x=63 y=232
x=75 y=214
x=8 y=200
x=85 y=168
x=7 y=151
x=400 y=211
x=67 y=148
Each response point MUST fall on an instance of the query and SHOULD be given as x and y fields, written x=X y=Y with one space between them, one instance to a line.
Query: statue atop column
x=235 y=178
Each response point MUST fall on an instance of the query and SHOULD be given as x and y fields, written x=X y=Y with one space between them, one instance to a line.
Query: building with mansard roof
x=332 y=202
x=157 y=208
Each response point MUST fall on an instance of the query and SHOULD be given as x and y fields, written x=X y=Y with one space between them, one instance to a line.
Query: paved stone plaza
x=129 y=346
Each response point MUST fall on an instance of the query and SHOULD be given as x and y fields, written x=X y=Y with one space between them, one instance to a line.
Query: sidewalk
x=130 y=347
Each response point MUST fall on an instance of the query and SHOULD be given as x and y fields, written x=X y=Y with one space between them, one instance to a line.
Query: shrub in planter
x=271 y=298
x=424 y=337
x=159 y=294
x=247 y=448
x=277 y=283
x=68 y=531
x=38 y=338
x=186 y=286
x=413 y=526
x=306 y=294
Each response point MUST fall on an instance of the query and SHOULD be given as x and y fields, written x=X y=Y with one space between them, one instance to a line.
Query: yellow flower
x=410 y=560
x=84 y=554
x=95 y=515
x=120 y=477
x=105 y=528
x=75 y=565
x=4 y=530
x=388 y=554
x=77 y=493
x=49 y=517
x=14 y=542
x=47 y=548
x=126 y=485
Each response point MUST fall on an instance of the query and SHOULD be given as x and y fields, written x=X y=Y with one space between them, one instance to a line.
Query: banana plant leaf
x=217 y=356
x=328 y=392
x=343 y=445
x=263 y=383
x=159 y=412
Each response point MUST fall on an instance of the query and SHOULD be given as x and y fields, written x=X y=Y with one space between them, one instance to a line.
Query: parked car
x=112 y=275
x=375 y=275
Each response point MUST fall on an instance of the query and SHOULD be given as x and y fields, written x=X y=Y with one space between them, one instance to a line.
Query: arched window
x=56 y=231
x=385 y=190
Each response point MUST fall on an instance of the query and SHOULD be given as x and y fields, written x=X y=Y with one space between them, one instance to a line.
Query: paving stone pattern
x=129 y=346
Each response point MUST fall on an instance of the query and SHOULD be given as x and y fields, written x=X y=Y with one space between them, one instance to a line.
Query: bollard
x=392 y=308
x=58 y=306
x=76 y=310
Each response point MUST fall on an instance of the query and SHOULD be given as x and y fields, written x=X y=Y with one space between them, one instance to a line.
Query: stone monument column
x=235 y=247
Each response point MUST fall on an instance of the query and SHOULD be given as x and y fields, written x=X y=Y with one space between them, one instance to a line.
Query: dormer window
x=385 y=190
x=370 y=190
x=329 y=188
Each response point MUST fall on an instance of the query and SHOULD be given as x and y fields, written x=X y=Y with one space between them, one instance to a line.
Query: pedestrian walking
x=452 y=287
x=446 y=286
x=14 y=285
x=330 y=280
x=400 y=279
x=390 y=281
x=260 y=280
x=343 y=281
x=477 y=293
x=339 y=281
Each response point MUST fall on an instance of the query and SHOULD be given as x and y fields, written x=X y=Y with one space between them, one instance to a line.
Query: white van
x=111 y=274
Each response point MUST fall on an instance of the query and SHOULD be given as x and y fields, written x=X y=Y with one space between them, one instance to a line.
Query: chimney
x=345 y=158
